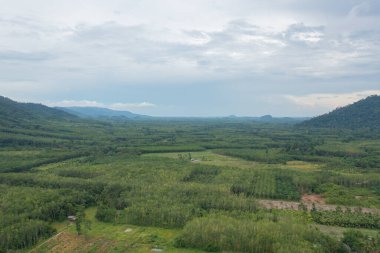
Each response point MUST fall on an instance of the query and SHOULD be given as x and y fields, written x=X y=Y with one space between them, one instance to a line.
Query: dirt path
x=293 y=205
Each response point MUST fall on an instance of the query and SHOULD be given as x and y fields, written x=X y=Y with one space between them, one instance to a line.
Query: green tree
x=81 y=221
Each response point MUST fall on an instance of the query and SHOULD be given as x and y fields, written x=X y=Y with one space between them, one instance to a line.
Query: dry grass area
x=302 y=166
x=209 y=158
x=67 y=242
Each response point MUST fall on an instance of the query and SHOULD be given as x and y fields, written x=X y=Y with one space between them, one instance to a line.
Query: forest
x=187 y=185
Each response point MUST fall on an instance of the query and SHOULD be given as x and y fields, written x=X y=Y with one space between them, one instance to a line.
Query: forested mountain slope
x=14 y=112
x=101 y=113
x=362 y=114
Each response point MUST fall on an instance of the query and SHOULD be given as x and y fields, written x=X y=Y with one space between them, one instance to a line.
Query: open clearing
x=105 y=237
x=211 y=158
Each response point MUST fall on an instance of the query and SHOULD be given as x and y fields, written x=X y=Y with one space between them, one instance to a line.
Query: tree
x=81 y=220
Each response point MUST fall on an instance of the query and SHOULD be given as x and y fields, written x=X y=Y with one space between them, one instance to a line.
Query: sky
x=191 y=58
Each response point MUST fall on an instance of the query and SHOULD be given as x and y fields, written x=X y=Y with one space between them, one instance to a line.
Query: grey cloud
x=366 y=8
x=25 y=56
x=109 y=31
x=336 y=7
x=121 y=41
x=239 y=47
x=311 y=45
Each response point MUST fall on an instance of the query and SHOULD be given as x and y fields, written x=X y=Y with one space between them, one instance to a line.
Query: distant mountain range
x=13 y=112
x=101 y=113
x=271 y=119
x=362 y=114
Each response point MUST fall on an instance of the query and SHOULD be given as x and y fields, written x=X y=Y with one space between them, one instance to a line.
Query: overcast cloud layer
x=191 y=58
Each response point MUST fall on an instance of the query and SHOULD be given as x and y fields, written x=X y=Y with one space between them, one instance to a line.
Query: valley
x=185 y=185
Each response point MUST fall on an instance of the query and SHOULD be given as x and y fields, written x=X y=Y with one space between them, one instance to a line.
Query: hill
x=98 y=112
x=362 y=114
x=15 y=112
x=285 y=120
x=269 y=119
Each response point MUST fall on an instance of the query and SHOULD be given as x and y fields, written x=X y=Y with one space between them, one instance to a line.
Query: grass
x=302 y=166
x=210 y=158
x=105 y=237
x=337 y=232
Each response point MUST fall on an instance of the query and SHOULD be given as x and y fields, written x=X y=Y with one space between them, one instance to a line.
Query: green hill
x=12 y=112
x=362 y=114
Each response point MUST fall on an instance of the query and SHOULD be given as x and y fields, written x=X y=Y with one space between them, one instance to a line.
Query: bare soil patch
x=313 y=198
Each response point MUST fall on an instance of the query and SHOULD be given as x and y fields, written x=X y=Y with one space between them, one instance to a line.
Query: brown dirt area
x=312 y=198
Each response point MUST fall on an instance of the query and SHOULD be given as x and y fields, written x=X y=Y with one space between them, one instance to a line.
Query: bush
x=105 y=214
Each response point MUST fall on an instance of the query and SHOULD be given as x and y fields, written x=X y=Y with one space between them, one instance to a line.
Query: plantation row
x=267 y=184
x=22 y=235
x=25 y=213
x=223 y=233
x=341 y=218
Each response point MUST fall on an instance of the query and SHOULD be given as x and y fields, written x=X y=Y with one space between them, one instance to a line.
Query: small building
x=72 y=218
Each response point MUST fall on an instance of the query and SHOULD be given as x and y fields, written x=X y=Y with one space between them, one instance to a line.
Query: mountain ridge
x=100 y=112
x=12 y=111
x=364 y=113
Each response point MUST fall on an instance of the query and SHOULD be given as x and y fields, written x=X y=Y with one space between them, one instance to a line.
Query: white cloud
x=127 y=106
x=308 y=36
x=88 y=103
x=330 y=100
x=71 y=103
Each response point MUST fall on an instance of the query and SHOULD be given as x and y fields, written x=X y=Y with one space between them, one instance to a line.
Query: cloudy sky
x=191 y=58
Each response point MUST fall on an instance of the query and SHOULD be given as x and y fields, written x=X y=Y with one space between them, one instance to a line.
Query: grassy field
x=105 y=237
x=338 y=232
x=211 y=158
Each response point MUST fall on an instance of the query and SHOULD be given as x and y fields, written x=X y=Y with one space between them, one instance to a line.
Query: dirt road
x=293 y=205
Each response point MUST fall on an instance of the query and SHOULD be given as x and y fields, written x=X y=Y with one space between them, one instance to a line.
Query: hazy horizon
x=66 y=104
x=199 y=58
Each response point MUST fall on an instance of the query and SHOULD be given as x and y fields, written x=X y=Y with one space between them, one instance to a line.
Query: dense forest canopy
x=362 y=114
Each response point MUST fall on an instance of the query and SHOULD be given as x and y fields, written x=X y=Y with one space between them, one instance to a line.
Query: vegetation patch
x=221 y=233
x=202 y=174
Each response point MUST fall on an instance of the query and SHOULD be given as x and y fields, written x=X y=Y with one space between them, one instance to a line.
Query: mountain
x=15 y=112
x=284 y=120
x=362 y=114
x=270 y=119
x=97 y=112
